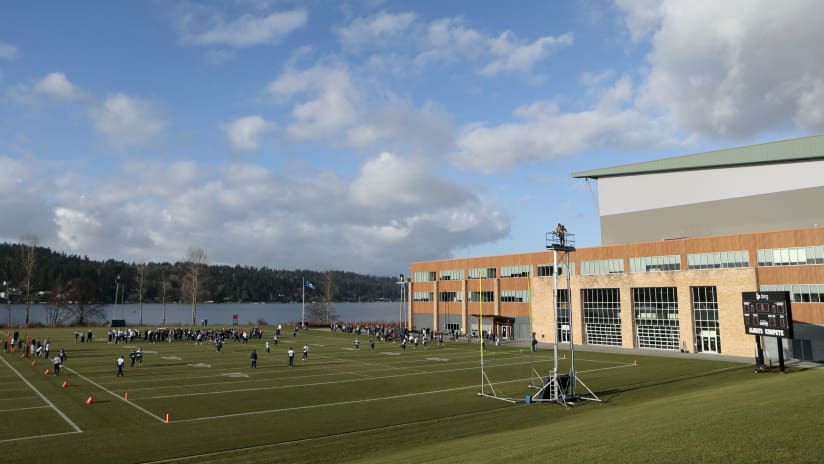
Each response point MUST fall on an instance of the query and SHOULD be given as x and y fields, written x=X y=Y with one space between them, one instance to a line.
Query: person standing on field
x=253 y=358
x=120 y=363
x=57 y=362
x=305 y=351
x=291 y=354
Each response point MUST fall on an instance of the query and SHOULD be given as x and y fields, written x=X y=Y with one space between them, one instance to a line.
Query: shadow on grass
x=615 y=392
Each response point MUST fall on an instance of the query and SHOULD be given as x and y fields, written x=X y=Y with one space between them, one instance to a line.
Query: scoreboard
x=768 y=313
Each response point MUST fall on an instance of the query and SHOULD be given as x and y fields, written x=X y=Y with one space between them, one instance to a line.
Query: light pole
x=116 y=289
x=402 y=282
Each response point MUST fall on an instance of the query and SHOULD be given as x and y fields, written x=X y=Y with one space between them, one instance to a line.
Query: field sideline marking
x=130 y=403
x=23 y=409
x=39 y=436
x=43 y=397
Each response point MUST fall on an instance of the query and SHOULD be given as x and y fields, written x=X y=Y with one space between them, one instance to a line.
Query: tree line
x=77 y=287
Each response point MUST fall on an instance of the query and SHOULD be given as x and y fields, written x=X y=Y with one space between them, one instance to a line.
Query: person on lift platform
x=561 y=231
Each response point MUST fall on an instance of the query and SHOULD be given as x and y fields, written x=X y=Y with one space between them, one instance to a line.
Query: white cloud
x=380 y=28
x=509 y=56
x=398 y=125
x=449 y=40
x=332 y=103
x=246 y=133
x=24 y=198
x=7 y=51
x=393 y=211
x=203 y=26
x=545 y=132
x=642 y=17
x=737 y=68
x=388 y=182
x=125 y=120
x=56 y=85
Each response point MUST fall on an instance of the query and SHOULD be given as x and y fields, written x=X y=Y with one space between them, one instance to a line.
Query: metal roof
x=783 y=151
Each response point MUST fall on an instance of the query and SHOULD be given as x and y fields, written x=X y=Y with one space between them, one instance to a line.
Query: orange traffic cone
x=65 y=384
x=89 y=400
x=167 y=417
x=34 y=363
x=126 y=396
x=47 y=372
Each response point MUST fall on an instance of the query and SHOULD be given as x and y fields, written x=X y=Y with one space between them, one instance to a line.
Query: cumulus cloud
x=388 y=182
x=446 y=40
x=24 y=196
x=331 y=103
x=125 y=120
x=374 y=30
x=543 y=132
x=56 y=85
x=205 y=26
x=737 y=68
x=246 y=133
x=509 y=56
x=392 y=211
x=7 y=51
x=642 y=17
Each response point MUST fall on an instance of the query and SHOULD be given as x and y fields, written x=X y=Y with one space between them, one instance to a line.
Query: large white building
x=682 y=237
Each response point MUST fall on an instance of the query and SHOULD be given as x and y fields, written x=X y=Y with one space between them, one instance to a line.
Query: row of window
x=451 y=274
x=800 y=293
x=798 y=256
x=655 y=264
x=718 y=260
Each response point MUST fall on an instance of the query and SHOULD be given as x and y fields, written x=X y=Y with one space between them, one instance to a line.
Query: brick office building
x=682 y=238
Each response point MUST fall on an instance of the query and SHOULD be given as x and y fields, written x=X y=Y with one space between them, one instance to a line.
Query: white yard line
x=9 y=440
x=315 y=406
x=43 y=397
x=303 y=385
x=23 y=409
x=130 y=403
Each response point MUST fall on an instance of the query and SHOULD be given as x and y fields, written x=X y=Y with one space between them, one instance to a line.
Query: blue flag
x=308 y=284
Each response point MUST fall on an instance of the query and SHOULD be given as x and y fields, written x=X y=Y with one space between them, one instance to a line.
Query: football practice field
x=187 y=402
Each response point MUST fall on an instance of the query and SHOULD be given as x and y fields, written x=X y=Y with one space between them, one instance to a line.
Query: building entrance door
x=708 y=341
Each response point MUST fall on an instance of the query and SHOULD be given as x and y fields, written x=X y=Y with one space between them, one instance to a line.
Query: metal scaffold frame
x=558 y=387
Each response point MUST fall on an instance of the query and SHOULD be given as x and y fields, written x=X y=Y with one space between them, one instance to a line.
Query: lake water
x=218 y=314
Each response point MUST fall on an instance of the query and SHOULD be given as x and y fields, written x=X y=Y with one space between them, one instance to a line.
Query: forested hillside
x=54 y=273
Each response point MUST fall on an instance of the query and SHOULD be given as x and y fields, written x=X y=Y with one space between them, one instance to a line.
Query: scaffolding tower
x=560 y=387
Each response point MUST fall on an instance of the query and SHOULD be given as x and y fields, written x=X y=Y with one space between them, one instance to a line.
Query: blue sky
x=365 y=135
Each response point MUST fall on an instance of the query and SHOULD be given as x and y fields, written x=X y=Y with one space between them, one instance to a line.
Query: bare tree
x=28 y=248
x=195 y=262
x=324 y=310
x=58 y=303
x=140 y=278
x=81 y=307
x=328 y=291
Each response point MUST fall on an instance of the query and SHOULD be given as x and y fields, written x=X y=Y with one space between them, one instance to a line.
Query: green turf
x=395 y=406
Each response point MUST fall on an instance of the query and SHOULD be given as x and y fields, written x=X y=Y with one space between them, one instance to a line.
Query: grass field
x=395 y=406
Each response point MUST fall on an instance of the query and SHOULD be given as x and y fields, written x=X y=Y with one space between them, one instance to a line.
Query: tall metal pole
x=555 y=322
x=569 y=315
x=116 y=289
x=7 y=284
